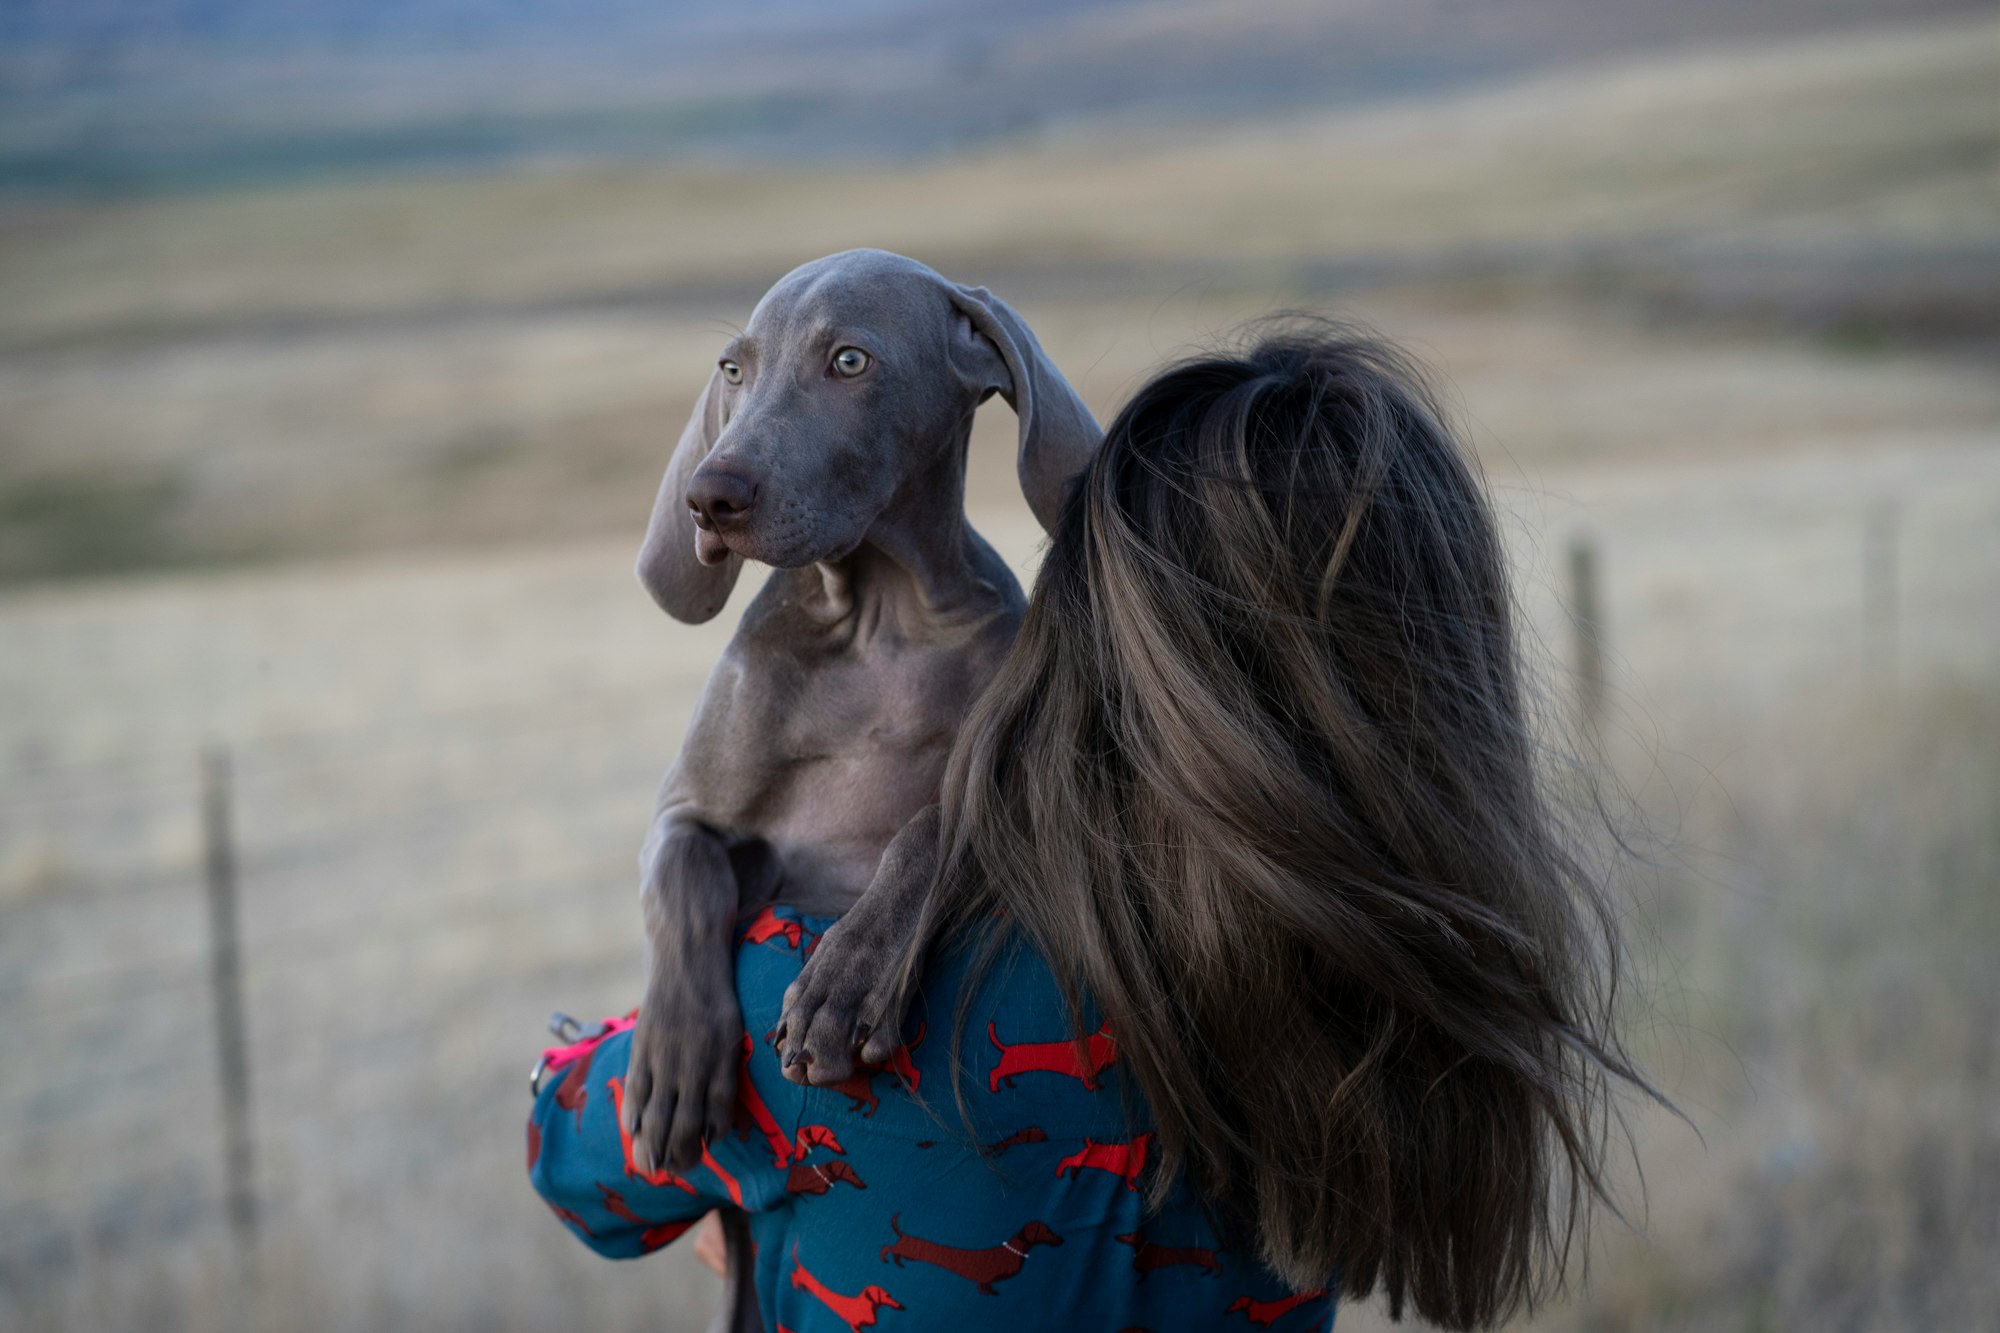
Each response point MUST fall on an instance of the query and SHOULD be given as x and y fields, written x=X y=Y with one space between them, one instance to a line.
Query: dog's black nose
x=720 y=499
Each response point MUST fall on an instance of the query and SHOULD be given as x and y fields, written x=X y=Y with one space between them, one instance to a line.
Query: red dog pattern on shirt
x=857 y=1311
x=859 y=1087
x=767 y=925
x=845 y=1172
x=1148 y=1257
x=1266 y=1313
x=1052 y=1057
x=1120 y=1159
x=995 y=1263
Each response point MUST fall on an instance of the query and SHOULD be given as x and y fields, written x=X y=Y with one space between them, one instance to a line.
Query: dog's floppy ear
x=686 y=589
x=1058 y=434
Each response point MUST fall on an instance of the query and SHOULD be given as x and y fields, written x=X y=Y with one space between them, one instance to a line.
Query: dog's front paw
x=680 y=1084
x=846 y=1005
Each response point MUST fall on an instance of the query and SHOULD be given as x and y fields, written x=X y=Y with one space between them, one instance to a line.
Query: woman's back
x=1259 y=777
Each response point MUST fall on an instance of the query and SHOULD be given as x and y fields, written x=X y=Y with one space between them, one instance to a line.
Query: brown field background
x=345 y=475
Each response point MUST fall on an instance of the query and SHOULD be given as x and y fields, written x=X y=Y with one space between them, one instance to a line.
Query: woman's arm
x=580 y=1158
x=580 y=1161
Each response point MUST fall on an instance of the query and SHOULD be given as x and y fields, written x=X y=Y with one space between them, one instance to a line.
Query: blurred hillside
x=116 y=95
x=371 y=364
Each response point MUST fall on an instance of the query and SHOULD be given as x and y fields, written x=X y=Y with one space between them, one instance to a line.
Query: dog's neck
x=918 y=568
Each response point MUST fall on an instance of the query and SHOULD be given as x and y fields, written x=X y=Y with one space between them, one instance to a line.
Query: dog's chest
x=859 y=706
x=823 y=761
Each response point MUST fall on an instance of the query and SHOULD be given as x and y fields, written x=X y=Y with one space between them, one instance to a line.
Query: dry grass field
x=347 y=478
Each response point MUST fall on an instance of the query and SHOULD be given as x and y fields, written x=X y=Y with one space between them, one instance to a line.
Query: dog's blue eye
x=850 y=361
x=732 y=372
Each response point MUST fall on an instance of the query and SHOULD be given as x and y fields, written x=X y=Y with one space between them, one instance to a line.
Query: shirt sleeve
x=580 y=1162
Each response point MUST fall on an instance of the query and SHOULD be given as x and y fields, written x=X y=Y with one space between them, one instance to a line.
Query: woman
x=1252 y=817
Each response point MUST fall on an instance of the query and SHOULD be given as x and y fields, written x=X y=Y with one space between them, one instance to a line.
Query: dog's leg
x=850 y=994
x=680 y=1085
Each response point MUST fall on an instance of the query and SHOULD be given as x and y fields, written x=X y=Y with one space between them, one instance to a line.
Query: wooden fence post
x=1586 y=616
x=226 y=977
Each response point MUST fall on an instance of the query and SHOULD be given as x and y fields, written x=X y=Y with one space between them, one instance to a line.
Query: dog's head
x=844 y=392
x=1038 y=1233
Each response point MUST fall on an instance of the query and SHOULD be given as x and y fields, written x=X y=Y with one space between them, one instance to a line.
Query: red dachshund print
x=767 y=925
x=656 y=1178
x=614 y=1204
x=984 y=1267
x=534 y=1144
x=729 y=1184
x=755 y=1112
x=817 y=1178
x=857 y=1312
x=663 y=1235
x=1120 y=1159
x=859 y=1087
x=1032 y=1134
x=815 y=1136
x=570 y=1217
x=575 y=1089
x=1266 y=1313
x=657 y=1235
x=902 y=1066
x=1052 y=1057
x=1147 y=1257
x=751 y=1105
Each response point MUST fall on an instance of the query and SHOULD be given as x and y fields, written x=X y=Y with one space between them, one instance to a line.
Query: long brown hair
x=1257 y=779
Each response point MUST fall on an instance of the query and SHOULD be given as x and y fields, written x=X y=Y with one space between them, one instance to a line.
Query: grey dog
x=829 y=443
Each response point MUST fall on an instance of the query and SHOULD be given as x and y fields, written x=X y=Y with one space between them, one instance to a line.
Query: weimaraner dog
x=830 y=443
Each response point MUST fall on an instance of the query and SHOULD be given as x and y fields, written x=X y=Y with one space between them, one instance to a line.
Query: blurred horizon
x=112 y=96
x=1813 y=173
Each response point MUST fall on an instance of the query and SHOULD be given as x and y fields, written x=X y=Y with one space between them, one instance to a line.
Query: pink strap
x=555 y=1057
